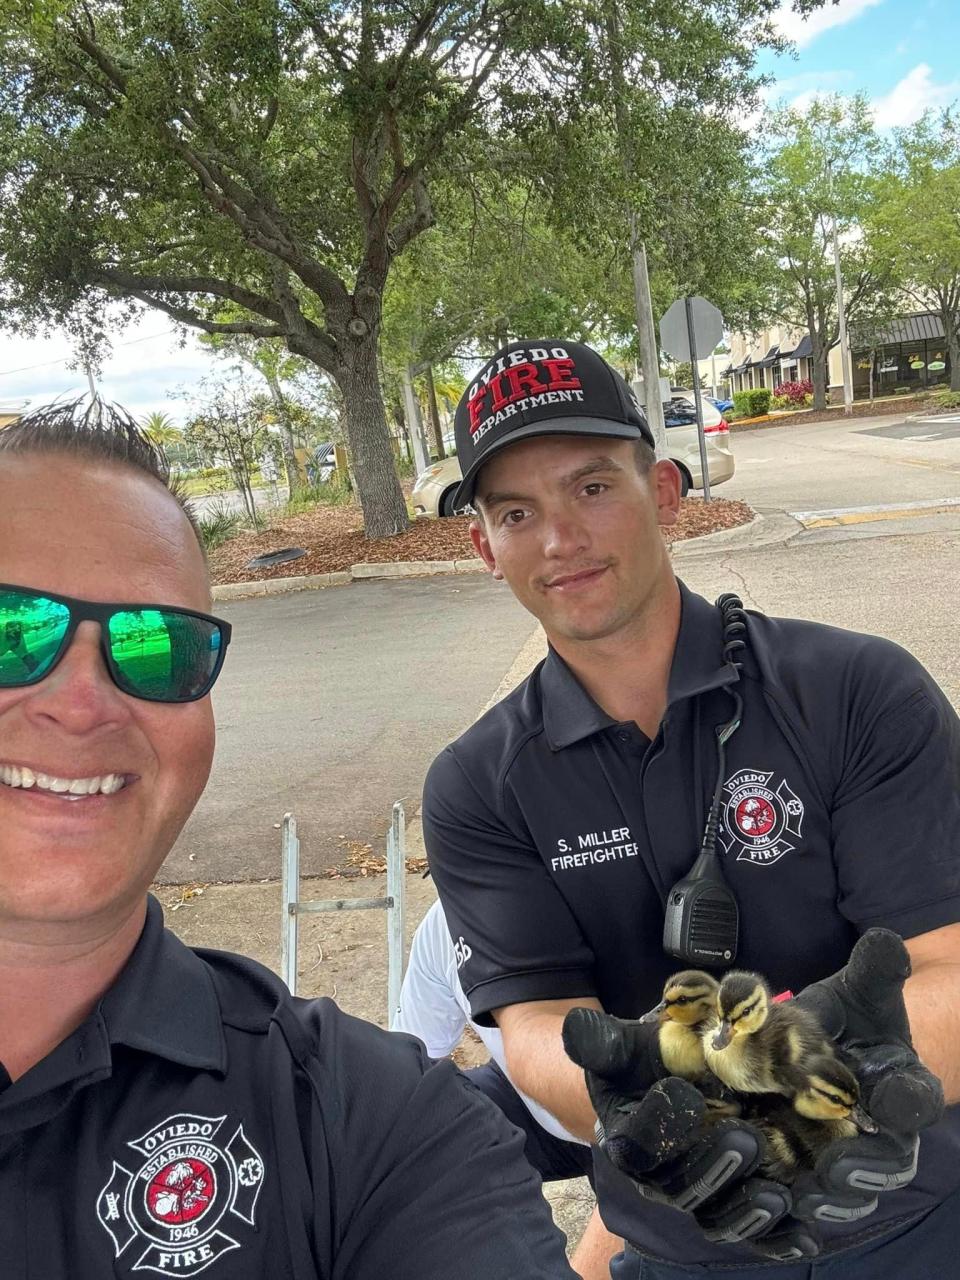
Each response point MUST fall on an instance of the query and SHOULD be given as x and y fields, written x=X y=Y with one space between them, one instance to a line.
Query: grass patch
x=335 y=492
x=219 y=524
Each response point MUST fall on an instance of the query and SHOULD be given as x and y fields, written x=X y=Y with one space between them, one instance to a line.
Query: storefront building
x=908 y=354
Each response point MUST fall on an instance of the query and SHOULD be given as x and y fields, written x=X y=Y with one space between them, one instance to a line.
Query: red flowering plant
x=794 y=392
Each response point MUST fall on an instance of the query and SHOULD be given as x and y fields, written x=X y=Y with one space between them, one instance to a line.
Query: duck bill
x=863 y=1122
x=724 y=1034
x=654 y=1014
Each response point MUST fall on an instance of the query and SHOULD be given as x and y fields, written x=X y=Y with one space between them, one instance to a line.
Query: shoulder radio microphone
x=702 y=921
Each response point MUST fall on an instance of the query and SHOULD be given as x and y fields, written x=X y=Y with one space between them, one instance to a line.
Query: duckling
x=826 y=1109
x=759 y=1046
x=687 y=1010
x=688 y=1007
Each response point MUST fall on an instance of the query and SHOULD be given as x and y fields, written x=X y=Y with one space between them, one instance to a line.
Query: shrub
x=795 y=392
x=219 y=524
x=947 y=399
x=335 y=492
x=751 y=404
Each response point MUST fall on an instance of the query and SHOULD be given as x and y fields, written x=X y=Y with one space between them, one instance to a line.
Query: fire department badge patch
x=175 y=1203
x=757 y=821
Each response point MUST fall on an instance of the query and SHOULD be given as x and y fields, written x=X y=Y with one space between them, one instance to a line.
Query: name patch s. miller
x=756 y=820
x=175 y=1202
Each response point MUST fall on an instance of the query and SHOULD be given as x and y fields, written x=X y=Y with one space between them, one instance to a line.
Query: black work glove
x=861 y=1008
x=651 y=1128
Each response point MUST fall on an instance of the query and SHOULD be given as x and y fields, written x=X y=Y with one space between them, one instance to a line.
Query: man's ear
x=481 y=543
x=666 y=482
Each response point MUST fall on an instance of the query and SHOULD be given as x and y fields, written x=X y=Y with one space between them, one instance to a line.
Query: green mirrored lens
x=31 y=633
x=163 y=655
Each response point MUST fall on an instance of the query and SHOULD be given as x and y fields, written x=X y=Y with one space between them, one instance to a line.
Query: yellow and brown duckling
x=757 y=1046
x=825 y=1110
x=688 y=1008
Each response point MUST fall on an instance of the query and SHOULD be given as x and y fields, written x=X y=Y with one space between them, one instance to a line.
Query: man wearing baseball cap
x=563 y=829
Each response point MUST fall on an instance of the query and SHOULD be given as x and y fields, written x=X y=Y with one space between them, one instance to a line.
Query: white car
x=434 y=488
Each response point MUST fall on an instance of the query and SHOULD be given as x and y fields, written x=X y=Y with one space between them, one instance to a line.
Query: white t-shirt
x=434 y=1009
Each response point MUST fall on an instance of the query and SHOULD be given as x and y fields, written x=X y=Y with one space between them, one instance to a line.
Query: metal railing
x=292 y=907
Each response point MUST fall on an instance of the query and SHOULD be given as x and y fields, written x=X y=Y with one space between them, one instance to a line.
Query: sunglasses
x=152 y=651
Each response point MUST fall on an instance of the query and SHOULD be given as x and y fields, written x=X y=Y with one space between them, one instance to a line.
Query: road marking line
x=919 y=505
x=867 y=517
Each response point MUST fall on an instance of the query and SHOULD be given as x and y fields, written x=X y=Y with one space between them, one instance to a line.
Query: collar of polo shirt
x=570 y=714
x=149 y=1007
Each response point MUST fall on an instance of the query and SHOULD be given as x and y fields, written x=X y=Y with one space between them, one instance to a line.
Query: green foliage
x=753 y=403
x=947 y=399
x=218 y=524
x=230 y=427
x=335 y=492
x=915 y=220
x=818 y=171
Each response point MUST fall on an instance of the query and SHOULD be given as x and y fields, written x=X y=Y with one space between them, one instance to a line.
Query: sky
x=900 y=53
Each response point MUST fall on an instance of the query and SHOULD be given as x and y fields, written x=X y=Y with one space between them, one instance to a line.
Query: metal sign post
x=685 y=327
x=697 y=398
x=291 y=906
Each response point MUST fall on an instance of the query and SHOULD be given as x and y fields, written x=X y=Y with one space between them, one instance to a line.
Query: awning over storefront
x=770 y=358
x=802 y=351
x=923 y=327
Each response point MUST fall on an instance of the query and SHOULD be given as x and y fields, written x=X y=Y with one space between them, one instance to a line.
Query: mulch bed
x=860 y=409
x=333 y=539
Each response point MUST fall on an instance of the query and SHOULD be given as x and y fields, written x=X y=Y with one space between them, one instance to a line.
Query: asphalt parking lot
x=332 y=704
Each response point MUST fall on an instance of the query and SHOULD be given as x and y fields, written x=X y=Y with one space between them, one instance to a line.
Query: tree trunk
x=818 y=367
x=378 y=487
x=953 y=346
x=296 y=481
x=435 y=413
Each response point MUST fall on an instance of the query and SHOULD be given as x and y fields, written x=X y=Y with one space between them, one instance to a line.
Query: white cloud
x=809 y=81
x=803 y=30
x=145 y=369
x=911 y=96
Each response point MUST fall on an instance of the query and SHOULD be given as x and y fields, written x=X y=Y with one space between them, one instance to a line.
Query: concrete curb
x=412 y=568
x=278 y=586
x=356 y=573
x=754 y=533
x=766 y=529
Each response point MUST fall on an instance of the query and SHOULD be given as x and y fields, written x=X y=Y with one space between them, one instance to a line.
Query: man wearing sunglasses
x=162 y=1110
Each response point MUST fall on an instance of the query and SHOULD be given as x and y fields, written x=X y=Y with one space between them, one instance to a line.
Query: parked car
x=680 y=419
x=723 y=405
x=435 y=487
x=322 y=464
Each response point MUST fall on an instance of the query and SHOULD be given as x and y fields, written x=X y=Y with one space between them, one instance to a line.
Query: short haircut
x=644 y=455
x=90 y=428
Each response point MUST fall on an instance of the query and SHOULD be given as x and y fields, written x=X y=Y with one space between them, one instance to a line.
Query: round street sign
x=707 y=328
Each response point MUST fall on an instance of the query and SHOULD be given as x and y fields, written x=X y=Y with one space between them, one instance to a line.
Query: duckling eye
x=681 y=1000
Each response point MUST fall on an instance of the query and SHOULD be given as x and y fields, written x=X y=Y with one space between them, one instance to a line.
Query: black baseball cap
x=541 y=387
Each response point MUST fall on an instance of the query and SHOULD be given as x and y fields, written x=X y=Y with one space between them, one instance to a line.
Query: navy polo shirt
x=203 y=1120
x=554 y=834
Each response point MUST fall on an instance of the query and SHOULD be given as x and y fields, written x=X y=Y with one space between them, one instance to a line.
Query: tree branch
x=195 y=321
x=210 y=285
x=422 y=219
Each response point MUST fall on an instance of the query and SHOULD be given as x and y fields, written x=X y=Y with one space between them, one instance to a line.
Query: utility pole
x=647 y=334
x=421 y=457
x=841 y=312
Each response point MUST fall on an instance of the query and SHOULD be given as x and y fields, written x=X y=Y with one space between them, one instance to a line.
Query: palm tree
x=160 y=430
